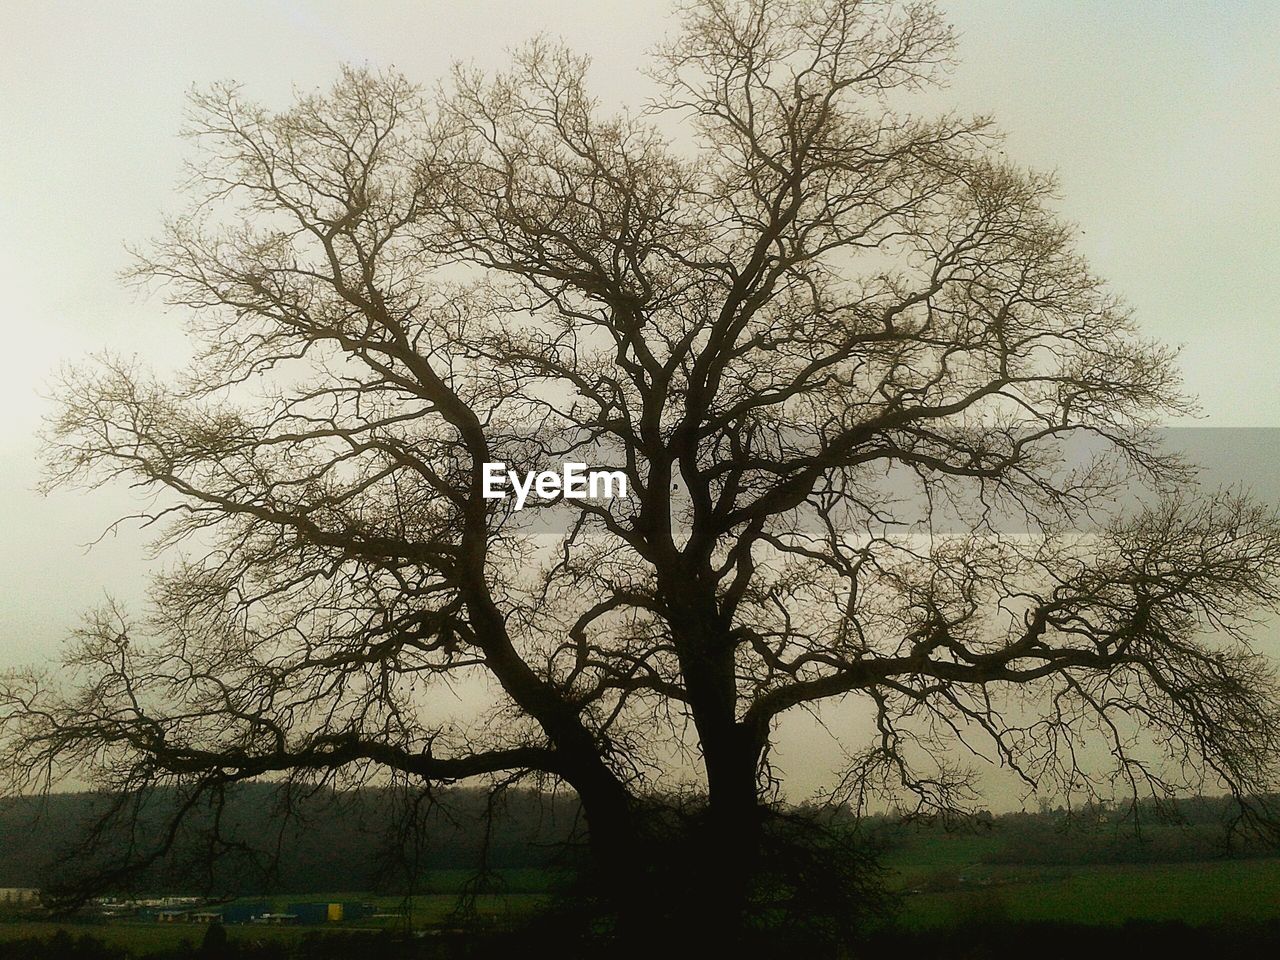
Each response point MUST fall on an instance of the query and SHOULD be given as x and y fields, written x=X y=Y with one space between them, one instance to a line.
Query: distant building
x=278 y=918
x=243 y=912
x=18 y=895
x=316 y=914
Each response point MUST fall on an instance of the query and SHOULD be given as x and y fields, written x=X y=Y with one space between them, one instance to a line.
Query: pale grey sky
x=1162 y=120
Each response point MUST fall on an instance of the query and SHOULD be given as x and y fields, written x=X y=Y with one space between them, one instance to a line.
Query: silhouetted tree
x=772 y=298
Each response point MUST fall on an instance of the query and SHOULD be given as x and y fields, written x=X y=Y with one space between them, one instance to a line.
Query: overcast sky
x=1162 y=120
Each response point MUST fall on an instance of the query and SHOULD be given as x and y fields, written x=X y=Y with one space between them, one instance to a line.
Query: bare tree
x=772 y=298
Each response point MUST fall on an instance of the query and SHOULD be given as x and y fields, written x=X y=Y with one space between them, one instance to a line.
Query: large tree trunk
x=728 y=844
x=701 y=893
x=730 y=847
x=617 y=880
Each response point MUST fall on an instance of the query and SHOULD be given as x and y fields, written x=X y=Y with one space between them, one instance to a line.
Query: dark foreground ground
x=1047 y=941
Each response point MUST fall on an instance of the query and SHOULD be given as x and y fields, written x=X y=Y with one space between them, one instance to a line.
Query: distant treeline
x=1190 y=829
x=264 y=838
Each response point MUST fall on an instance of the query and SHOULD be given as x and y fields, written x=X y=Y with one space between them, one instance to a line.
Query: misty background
x=1162 y=121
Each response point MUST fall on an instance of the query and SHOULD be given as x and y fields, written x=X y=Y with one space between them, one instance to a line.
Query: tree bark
x=728 y=846
x=731 y=834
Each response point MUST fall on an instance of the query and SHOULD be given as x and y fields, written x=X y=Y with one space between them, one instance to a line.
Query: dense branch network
x=845 y=355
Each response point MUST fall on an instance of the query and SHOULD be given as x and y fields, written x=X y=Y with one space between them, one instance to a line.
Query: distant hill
x=268 y=839
x=1192 y=829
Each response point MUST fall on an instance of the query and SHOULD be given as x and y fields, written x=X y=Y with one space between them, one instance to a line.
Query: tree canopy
x=842 y=351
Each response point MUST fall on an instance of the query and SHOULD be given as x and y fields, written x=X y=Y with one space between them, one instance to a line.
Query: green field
x=143 y=938
x=1197 y=893
x=945 y=881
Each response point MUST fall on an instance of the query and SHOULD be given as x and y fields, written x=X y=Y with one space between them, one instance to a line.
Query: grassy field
x=144 y=938
x=944 y=880
x=1197 y=893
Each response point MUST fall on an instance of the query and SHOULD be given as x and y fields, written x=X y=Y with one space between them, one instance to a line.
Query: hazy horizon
x=1161 y=121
